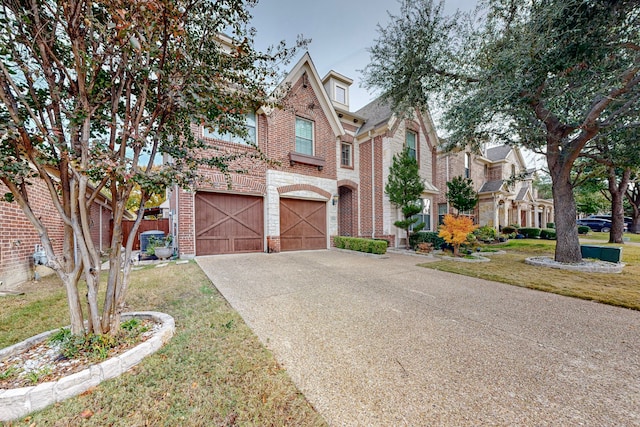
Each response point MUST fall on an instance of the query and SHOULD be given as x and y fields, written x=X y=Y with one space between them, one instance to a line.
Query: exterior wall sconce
x=334 y=199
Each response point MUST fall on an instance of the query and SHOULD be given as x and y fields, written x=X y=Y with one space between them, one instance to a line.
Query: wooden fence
x=145 y=225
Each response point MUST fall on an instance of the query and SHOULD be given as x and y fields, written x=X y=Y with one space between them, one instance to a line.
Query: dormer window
x=340 y=94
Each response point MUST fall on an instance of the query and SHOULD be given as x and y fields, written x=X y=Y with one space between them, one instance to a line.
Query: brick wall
x=18 y=237
x=301 y=102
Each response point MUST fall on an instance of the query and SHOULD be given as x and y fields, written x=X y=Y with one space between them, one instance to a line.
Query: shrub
x=548 y=234
x=551 y=225
x=456 y=230
x=361 y=245
x=530 y=232
x=426 y=237
x=508 y=229
x=583 y=229
x=486 y=233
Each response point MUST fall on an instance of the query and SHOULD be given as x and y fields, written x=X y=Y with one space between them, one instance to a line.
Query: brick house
x=18 y=238
x=327 y=175
x=502 y=200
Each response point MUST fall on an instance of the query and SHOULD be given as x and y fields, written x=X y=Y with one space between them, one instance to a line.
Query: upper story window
x=411 y=144
x=304 y=136
x=513 y=170
x=341 y=94
x=346 y=152
x=250 y=139
x=467 y=165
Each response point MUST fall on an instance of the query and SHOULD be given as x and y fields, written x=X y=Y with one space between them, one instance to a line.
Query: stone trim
x=303 y=187
x=18 y=402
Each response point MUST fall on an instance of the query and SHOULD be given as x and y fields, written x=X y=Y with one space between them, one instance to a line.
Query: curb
x=18 y=402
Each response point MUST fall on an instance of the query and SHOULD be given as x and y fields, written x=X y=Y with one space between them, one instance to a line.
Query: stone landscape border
x=18 y=402
x=585 y=266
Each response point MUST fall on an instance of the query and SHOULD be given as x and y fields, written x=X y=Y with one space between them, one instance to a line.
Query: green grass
x=213 y=372
x=635 y=238
x=616 y=289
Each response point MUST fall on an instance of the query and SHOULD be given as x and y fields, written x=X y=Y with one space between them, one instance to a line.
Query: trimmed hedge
x=530 y=232
x=370 y=246
x=426 y=237
x=507 y=229
x=548 y=234
x=551 y=225
x=583 y=229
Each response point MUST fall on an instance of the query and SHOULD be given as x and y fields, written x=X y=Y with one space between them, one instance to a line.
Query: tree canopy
x=461 y=194
x=549 y=75
x=93 y=93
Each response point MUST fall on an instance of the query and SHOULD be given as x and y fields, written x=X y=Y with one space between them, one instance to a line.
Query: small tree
x=461 y=195
x=455 y=230
x=404 y=188
x=92 y=93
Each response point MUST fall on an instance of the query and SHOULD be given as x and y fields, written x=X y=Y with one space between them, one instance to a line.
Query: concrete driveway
x=382 y=342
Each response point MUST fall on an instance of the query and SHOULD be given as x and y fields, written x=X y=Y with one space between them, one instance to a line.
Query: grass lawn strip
x=214 y=371
x=616 y=289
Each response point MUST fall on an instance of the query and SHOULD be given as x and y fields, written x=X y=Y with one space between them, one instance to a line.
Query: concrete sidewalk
x=381 y=342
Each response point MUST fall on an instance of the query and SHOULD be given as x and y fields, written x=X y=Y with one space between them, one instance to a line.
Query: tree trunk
x=633 y=195
x=617 y=191
x=567 y=242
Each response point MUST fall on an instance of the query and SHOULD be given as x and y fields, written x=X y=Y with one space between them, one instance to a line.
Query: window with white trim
x=424 y=216
x=411 y=144
x=467 y=165
x=304 y=136
x=249 y=139
x=340 y=94
x=346 y=154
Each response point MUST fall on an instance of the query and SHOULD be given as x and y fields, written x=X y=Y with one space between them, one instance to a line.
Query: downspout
x=373 y=192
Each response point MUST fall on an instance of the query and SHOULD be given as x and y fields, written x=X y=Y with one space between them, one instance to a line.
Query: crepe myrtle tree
x=548 y=75
x=92 y=93
x=404 y=188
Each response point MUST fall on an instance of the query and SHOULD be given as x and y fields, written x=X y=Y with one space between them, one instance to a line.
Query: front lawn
x=615 y=289
x=214 y=371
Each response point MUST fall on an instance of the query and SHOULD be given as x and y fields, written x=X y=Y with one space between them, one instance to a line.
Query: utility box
x=590 y=251
x=146 y=236
x=611 y=254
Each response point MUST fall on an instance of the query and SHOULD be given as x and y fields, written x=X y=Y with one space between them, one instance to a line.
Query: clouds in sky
x=341 y=31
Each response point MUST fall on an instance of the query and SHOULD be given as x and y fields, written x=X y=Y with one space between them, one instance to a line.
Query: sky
x=340 y=32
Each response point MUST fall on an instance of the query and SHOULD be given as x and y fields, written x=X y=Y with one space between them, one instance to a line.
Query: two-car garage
x=233 y=223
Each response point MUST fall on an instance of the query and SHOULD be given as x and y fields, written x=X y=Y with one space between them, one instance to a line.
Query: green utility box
x=611 y=254
x=603 y=253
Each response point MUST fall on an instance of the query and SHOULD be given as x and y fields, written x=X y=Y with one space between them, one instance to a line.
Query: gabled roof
x=306 y=65
x=495 y=154
x=492 y=186
x=524 y=194
x=376 y=113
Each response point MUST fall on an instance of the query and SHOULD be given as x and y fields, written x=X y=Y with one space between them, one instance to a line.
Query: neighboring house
x=327 y=177
x=504 y=186
x=18 y=238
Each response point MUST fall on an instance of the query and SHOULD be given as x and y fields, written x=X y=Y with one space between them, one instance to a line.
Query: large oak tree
x=549 y=75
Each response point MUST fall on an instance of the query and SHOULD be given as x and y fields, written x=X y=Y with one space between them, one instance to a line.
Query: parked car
x=597 y=224
x=627 y=219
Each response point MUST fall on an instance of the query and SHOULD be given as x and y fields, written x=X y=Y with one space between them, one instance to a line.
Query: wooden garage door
x=228 y=223
x=302 y=225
